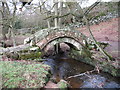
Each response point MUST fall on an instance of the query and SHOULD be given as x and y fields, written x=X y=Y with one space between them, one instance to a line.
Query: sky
x=50 y=2
x=90 y=2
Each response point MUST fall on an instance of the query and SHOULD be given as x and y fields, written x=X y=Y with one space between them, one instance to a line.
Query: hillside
x=100 y=13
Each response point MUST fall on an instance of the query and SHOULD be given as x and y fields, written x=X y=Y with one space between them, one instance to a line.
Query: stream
x=62 y=67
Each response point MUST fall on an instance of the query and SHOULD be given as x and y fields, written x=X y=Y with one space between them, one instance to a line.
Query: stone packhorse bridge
x=74 y=39
x=53 y=36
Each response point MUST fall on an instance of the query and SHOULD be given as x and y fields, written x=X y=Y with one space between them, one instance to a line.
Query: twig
x=97 y=69
x=85 y=73
x=56 y=16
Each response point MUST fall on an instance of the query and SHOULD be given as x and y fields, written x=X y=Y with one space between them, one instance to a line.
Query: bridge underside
x=72 y=43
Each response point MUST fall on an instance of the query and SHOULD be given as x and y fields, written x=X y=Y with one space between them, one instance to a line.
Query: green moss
x=82 y=53
x=104 y=63
x=114 y=72
x=32 y=55
x=62 y=85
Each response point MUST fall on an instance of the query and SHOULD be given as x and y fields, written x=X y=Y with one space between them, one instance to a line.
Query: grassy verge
x=23 y=74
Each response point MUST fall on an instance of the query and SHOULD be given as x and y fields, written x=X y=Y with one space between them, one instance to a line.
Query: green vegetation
x=97 y=15
x=63 y=85
x=32 y=55
x=18 y=25
x=28 y=54
x=23 y=74
x=112 y=6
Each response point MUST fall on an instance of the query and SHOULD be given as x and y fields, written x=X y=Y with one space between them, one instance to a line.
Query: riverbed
x=62 y=67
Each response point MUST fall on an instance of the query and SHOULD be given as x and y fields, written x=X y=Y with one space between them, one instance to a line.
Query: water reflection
x=98 y=81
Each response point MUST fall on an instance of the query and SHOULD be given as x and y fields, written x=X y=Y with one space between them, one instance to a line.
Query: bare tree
x=83 y=14
x=8 y=20
x=13 y=23
x=47 y=13
x=5 y=20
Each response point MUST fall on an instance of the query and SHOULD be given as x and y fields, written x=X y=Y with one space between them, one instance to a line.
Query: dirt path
x=106 y=32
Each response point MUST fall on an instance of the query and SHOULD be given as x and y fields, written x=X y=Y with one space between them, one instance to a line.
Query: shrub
x=18 y=24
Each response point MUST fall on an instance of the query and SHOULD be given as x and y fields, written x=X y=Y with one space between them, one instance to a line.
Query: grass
x=23 y=74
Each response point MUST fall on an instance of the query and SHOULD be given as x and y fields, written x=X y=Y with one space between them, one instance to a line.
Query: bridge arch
x=71 y=42
x=71 y=37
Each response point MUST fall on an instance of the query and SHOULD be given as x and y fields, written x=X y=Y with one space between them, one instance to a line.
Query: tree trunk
x=47 y=14
x=60 y=14
x=5 y=22
x=9 y=34
x=88 y=27
x=14 y=49
x=48 y=22
x=77 y=6
x=13 y=23
x=56 y=14
x=4 y=32
x=73 y=19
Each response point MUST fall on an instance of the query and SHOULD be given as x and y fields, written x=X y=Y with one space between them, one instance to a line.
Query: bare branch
x=82 y=74
x=50 y=9
x=56 y=16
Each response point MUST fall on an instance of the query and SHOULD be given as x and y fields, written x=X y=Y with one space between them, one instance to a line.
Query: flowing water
x=62 y=67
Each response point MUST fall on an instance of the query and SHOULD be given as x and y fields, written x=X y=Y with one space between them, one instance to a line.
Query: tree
x=83 y=14
x=5 y=19
x=8 y=20
x=76 y=10
x=56 y=14
x=47 y=13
